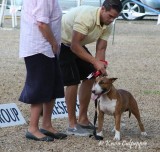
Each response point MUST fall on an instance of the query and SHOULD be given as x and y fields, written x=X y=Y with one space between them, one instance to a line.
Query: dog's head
x=102 y=85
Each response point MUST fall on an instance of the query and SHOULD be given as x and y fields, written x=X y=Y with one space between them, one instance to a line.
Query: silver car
x=130 y=11
x=133 y=11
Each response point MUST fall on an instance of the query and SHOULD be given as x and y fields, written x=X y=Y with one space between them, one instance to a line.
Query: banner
x=10 y=115
x=60 y=108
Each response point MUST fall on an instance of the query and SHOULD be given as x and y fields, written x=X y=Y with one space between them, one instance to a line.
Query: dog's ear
x=113 y=79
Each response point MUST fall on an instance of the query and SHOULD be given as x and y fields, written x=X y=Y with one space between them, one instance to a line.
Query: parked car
x=130 y=11
x=134 y=11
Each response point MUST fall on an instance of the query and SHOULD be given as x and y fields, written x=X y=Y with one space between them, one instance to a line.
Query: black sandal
x=53 y=135
x=32 y=137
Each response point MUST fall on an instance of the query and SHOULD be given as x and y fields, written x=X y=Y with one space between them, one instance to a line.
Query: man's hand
x=100 y=66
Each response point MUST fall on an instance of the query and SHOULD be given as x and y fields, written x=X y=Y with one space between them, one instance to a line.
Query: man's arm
x=101 y=47
x=47 y=33
x=76 y=47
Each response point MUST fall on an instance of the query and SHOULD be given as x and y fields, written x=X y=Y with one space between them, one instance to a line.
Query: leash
x=95 y=116
x=95 y=119
x=94 y=75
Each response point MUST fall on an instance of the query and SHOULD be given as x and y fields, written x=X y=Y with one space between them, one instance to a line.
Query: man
x=80 y=26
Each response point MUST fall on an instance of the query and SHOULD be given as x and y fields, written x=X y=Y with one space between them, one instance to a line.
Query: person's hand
x=101 y=66
x=55 y=48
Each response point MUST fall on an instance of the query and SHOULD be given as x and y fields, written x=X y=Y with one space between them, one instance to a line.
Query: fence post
x=3 y=7
x=79 y=2
x=13 y=11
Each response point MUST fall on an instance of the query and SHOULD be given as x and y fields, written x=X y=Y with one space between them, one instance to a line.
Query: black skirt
x=43 y=80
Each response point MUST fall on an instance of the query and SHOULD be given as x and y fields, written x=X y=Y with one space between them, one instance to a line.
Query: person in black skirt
x=40 y=39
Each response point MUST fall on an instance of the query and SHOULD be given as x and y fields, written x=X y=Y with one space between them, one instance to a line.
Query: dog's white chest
x=107 y=105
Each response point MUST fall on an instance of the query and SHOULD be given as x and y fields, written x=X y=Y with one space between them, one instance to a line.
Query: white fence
x=11 y=8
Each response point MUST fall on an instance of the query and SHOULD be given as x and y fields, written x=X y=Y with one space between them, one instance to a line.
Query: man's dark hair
x=115 y=4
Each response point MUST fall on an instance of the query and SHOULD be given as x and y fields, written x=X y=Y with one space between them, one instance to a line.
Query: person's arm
x=81 y=53
x=47 y=33
x=101 y=47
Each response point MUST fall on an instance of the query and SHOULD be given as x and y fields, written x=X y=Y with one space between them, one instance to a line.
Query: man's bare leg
x=71 y=97
x=84 y=99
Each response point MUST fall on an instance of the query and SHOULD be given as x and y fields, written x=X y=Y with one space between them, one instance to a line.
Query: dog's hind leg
x=135 y=112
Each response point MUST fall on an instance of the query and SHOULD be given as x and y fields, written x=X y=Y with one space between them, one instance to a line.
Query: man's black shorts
x=73 y=68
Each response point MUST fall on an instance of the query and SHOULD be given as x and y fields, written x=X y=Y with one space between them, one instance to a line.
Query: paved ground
x=134 y=59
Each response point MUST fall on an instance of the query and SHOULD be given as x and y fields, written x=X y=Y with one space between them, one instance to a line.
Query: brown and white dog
x=114 y=102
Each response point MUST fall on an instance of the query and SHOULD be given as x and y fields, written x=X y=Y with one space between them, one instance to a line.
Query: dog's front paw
x=117 y=135
x=116 y=138
x=143 y=133
x=100 y=133
x=99 y=136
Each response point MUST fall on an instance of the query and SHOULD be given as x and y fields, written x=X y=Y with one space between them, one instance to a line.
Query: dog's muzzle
x=99 y=94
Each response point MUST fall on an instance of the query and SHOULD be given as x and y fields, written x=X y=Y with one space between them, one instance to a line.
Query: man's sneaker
x=78 y=131
x=90 y=126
